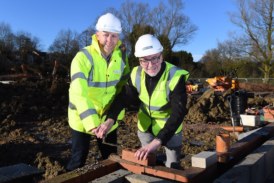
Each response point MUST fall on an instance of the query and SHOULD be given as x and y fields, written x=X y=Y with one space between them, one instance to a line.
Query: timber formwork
x=236 y=152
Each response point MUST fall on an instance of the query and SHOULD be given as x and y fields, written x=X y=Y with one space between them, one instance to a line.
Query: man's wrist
x=110 y=120
x=159 y=140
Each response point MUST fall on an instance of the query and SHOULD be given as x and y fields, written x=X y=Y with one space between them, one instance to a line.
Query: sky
x=46 y=18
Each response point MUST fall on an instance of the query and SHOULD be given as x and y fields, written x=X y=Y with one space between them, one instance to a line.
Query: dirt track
x=34 y=128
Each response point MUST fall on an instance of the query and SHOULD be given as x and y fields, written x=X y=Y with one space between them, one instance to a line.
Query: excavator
x=224 y=82
x=193 y=87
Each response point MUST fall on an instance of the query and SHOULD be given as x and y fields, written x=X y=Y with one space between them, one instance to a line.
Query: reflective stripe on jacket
x=155 y=109
x=94 y=84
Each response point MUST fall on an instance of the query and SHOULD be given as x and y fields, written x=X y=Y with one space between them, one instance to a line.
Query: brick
x=167 y=173
x=268 y=114
x=204 y=159
x=133 y=167
x=128 y=155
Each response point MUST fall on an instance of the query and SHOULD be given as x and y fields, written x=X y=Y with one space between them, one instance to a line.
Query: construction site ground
x=34 y=127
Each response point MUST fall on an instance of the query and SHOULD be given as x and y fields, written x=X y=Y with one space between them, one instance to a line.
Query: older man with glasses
x=158 y=88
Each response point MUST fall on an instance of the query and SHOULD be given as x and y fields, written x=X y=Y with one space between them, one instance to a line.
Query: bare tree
x=5 y=31
x=213 y=62
x=85 y=37
x=132 y=13
x=6 y=38
x=25 y=44
x=64 y=42
x=255 y=18
x=65 y=45
x=24 y=40
x=168 y=20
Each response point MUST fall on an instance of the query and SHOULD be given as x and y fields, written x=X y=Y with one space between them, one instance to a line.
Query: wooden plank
x=86 y=173
x=192 y=175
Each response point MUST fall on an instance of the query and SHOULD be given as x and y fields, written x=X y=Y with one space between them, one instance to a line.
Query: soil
x=34 y=126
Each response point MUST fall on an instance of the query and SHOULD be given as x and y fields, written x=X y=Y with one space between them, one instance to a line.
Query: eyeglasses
x=153 y=60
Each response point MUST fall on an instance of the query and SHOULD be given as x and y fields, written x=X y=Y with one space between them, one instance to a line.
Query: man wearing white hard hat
x=98 y=73
x=158 y=88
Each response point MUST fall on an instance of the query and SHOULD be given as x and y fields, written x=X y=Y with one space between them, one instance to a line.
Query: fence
x=256 y=80
x=241 y=80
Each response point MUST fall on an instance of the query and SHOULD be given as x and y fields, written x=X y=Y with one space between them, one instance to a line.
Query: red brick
x=135 y=168
x=128 y=155
x=130 y=166
x=167 y=173
x=268 y=114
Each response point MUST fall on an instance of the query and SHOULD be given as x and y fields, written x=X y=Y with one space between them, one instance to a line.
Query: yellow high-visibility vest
x=94 y=85
x=156 y=110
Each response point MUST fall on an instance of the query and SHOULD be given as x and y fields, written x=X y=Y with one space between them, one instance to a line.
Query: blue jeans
x=80 y=148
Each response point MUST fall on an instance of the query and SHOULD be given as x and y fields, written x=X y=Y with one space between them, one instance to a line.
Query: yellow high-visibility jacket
x=94 y=84
x=155 y=110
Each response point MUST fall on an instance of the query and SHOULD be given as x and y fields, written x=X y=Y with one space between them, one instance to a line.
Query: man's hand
x=142 y=153
x=102 y=130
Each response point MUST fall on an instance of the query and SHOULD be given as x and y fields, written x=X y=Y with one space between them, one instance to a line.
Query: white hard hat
x=147 y=45
x=109 y=23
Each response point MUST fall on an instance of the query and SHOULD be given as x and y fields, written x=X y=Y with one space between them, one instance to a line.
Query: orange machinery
x=222 y=83
x=193 y=86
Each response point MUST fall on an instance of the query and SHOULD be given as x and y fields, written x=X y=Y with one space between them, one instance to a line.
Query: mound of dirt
x=34 y=128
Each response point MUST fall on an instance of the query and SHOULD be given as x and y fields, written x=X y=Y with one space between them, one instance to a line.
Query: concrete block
x=140 y=178
x=18 y=171
x=243 y=135
x=256 y=164
x=114 y=177
x=269 y=158
x=252 y=168
x=129 y=156
x=4 y=178
x=239 y=174
x=204 y=159
x=250 y=120
x=255 y=167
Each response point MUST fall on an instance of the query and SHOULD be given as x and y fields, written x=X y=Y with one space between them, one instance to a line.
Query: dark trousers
x=80 y=148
